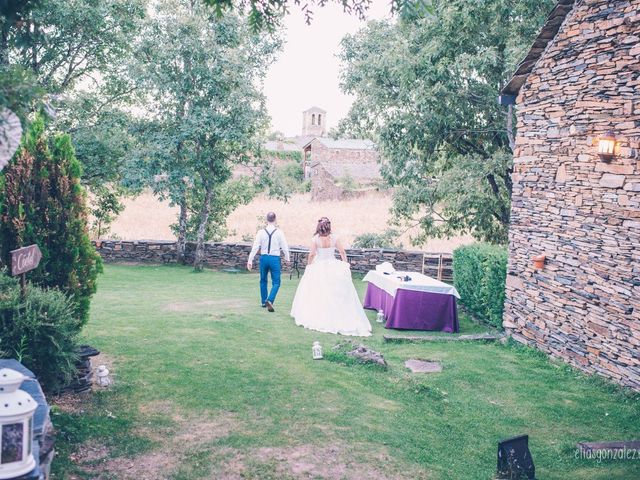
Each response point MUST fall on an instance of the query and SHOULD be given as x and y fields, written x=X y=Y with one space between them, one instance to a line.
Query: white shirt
x=278 y=242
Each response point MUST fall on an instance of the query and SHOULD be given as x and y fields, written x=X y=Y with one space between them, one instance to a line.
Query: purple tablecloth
x=411 y=310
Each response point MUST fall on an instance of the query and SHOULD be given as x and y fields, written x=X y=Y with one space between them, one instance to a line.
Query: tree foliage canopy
x=426 y=90
x=266 y=14
x=63 y=41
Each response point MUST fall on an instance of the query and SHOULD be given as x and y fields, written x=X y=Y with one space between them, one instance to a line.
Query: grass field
x=145 y=217
x=210 y=385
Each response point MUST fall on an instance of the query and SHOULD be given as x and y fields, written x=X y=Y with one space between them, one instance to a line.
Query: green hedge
x=479 y=275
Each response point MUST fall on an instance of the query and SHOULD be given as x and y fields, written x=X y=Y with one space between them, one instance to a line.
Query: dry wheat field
x=146 y=217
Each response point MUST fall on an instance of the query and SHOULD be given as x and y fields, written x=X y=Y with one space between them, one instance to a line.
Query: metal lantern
x=607 y=146
x=102 y=372
x=16 y=423
x=538 y=261
x=316 y=350
x=380 y=316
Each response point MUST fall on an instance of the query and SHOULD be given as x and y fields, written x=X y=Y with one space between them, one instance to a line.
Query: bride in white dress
x=326 y=299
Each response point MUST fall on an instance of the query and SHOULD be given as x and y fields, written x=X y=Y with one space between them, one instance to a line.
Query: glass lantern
x=316 y=350
x=102 y=372
x=16 y=425
x=380 y=316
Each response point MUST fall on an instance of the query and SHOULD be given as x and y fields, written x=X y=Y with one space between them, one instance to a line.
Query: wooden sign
x=25 y=259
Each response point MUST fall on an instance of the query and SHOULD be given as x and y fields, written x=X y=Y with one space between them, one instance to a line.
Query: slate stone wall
x=234 y=255
x=324 y=187
x=579 y=211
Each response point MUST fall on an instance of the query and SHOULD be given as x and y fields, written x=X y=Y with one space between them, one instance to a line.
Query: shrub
x=294 y=155
x=479 y=273
x=387 y=239
x=287 y=180
x=39 y=330
x=42 y=202
x=293 y=171
x=347 y=182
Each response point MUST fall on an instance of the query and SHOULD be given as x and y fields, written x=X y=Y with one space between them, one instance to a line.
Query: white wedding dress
x=326 y=299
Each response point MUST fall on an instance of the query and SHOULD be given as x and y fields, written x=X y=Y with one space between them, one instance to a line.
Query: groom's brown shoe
x=269 y=306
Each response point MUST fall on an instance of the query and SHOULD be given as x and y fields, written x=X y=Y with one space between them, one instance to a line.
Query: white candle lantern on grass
x=316 y=350
x=102 y=372
x=16 y=425
x=380 y=317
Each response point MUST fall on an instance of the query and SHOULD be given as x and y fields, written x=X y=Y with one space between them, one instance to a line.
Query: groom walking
x=270 y=240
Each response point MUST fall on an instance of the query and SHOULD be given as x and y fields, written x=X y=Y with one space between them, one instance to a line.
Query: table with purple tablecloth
x=412 y=301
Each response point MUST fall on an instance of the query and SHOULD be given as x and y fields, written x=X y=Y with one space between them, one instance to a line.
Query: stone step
x=483 y=337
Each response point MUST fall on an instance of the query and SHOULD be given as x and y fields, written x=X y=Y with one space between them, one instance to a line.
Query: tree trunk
x=34 y=49
x=202 y=228
x=4 y=43
x=182 y=230
x=510 y=136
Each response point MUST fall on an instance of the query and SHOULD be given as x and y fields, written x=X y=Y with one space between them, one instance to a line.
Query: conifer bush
x=43 y=203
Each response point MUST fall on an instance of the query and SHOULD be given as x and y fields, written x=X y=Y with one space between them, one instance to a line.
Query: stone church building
x=576 y=190
x=329 y=163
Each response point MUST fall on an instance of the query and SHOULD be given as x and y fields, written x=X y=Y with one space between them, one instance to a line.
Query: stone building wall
x=324 y=187
x=326 y=166
x=581 y=212
x=320 y=153
x=234 y=255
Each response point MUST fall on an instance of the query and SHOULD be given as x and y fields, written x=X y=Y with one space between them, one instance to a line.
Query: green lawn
x=210 y=385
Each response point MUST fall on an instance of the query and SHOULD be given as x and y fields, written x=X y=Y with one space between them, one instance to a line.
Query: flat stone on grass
x=421 y=366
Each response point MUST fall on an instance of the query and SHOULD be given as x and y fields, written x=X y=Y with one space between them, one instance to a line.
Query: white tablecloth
x=419 y=283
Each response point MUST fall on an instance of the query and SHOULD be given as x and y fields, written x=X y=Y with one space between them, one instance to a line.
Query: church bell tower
x=314 y=121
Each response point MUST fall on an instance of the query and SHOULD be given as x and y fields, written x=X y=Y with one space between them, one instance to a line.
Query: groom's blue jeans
x=269 y=263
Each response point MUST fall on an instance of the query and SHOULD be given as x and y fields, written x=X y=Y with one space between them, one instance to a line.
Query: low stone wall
x=234 y=255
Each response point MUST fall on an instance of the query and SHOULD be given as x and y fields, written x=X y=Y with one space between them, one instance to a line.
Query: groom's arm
x=254 y=250
x=284 y=246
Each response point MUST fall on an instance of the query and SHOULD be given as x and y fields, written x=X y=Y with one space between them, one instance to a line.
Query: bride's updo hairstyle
x=324 y=227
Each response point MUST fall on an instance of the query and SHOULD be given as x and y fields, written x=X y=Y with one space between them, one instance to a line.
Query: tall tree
x=426 y=89
x=104 y=134
x=202 y=77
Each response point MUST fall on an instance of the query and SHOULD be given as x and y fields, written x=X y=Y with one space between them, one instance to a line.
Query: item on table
x=385 y=268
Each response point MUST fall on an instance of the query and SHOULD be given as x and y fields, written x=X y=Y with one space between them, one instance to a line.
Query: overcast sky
x=306 y=72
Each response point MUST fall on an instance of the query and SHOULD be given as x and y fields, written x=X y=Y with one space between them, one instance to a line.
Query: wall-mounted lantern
x=607 y=146
x=538 y=261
